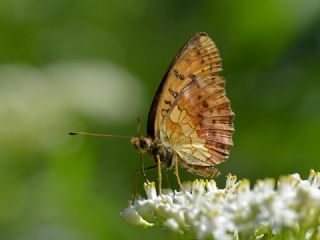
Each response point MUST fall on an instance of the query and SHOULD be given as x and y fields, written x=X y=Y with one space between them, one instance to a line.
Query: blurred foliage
x=95 y=65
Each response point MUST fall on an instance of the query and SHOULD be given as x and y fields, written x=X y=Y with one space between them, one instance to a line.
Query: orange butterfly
x=190 y=119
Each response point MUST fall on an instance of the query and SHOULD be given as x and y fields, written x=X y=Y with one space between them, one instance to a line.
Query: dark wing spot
x=200 y=116
x=178 y=75
x=221 y=145
x=173 y=93
x=199 y=97
x=167 y=102
x=192 y=76
x=205 y=104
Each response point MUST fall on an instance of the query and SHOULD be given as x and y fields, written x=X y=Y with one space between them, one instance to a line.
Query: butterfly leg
x=159 y=175
x=135 y=186
x=142 y=169
x=177 y=172
x=135 y=179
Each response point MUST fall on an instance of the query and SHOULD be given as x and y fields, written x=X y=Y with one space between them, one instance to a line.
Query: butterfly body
x=154 y=147
x=190 y=120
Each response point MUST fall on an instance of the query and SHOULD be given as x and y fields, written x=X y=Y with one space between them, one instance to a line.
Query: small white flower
x=211 y=186
x=131 y=216
x=314 y=178
x=203 y=211
x=231 y=182
x=150 y=190
x=198 y=186
x=172 y=225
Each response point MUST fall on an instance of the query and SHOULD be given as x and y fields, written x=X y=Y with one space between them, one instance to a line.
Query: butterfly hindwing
x=200 y=128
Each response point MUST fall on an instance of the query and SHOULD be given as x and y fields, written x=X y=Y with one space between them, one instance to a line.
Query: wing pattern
x=191 y=113
x=198 y=51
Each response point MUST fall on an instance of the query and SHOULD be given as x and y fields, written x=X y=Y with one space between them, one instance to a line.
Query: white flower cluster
x=203 y=211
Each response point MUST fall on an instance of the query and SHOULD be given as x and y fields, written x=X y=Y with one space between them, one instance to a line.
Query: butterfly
x=190 y=122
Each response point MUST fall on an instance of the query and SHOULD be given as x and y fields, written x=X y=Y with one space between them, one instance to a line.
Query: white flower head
x=204 y=211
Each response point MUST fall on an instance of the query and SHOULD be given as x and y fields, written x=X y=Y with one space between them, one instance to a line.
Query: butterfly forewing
x=191 y=113
x=198 y=51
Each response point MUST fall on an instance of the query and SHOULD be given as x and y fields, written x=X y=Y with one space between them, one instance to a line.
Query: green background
x=95 y=66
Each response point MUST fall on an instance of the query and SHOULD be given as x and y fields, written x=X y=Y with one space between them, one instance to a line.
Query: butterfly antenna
x=98 y=135
x=139 y=122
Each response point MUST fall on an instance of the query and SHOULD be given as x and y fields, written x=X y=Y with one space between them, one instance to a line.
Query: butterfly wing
x=198 y=50
x=191 y=113
x=199 y=125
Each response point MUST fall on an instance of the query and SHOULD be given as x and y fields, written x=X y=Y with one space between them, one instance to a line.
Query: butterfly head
x=142 y=144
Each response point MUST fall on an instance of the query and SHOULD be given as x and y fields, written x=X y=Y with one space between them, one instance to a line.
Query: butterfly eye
x=143 y=144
